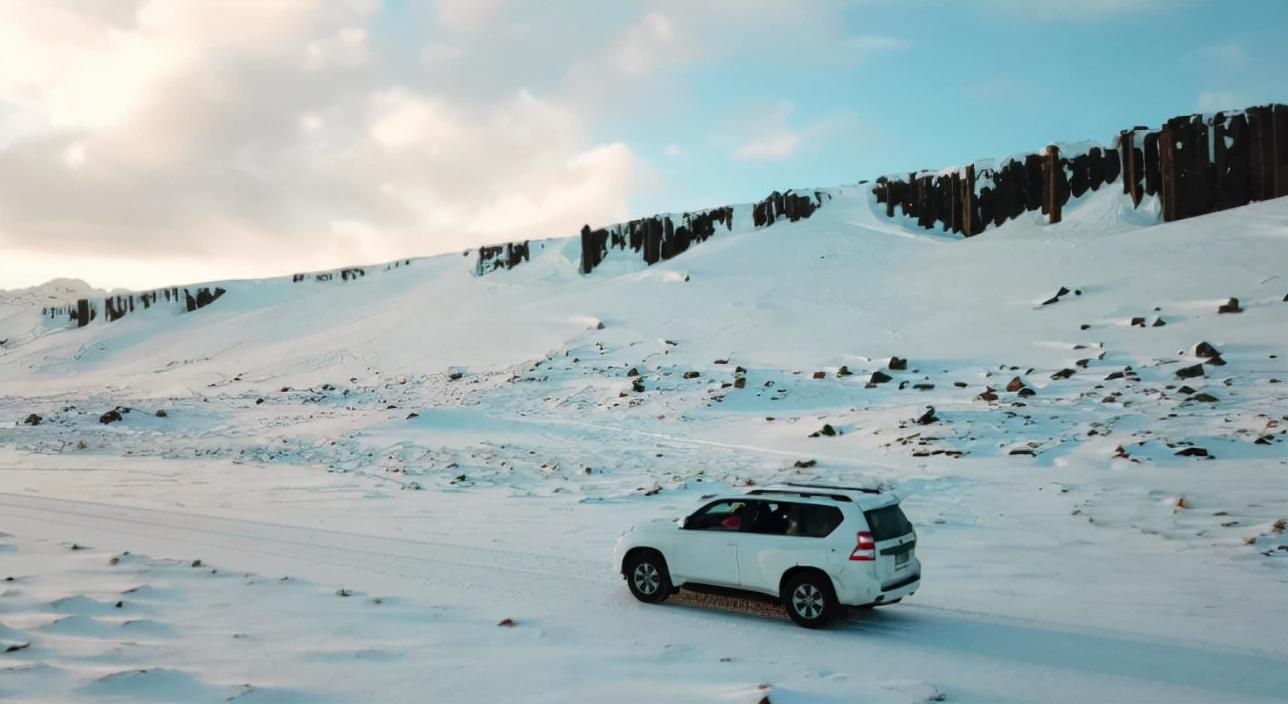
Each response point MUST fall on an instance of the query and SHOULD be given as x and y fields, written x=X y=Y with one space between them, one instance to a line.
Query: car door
x=767 y=551
x=706 y=549
x=782 y=535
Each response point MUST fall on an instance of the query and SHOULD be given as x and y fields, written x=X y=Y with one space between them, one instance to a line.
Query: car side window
x=721 y=515
x=789 y=518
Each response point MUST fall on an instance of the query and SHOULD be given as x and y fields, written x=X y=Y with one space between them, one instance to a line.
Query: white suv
x=816 y=548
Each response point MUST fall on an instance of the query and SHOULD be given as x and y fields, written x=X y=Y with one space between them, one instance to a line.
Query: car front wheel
x=647 y=577
x=809 y=600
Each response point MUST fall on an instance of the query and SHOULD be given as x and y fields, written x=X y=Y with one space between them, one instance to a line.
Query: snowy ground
x=1079 y=572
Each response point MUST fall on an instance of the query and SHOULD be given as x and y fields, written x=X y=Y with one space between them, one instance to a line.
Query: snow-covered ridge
x=1190 y=166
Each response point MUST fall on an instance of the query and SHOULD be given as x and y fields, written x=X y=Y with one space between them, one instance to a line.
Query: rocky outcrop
x=1194 y=164
x=85 y=310
x=502 y=256
x=655 y=239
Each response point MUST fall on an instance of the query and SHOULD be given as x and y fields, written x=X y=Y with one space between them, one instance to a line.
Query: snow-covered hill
x=1096 y=494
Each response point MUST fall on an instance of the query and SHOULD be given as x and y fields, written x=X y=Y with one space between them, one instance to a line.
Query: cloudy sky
x=148 y=142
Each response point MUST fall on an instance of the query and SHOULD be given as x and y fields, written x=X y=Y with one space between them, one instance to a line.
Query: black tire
x=647 y=576
x=809 y=599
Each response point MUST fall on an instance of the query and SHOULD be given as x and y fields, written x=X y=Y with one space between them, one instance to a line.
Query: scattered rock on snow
x=1193 y=452
x=805 y=464
x=820 y=375
x=1063 y=374
x=1056 y=298
x=1190 y=372
x=928 y=417
x=879 y=377
x=1015 y=384
x=33 y=419
x=898 y=363
x=1206 y=349
x=1230 y=306
x=111 y=416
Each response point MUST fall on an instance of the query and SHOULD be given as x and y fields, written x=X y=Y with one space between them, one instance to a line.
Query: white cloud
x=1084 y=10
x=771 y=148
x=1214 y=101
x=867 y=45
x=258 y=138
x=645 y=44
x=673 y=151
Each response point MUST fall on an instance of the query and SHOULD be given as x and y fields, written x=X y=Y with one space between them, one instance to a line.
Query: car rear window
x=886 y=523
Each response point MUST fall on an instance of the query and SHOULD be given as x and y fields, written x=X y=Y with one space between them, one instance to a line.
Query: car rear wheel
x=809 y=599
x=647 y=577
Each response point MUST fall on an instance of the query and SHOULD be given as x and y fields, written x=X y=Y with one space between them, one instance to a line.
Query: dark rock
x=1138 y=322
x=633 y=372
x=258 y=401
x=1230 y=306
x=161 y=413
x=928 y=417
x=958 y=384
x=1204 y=398
x=455 y=376
x=898 y=363
x=1185 y=390
x=740 y=382
x=111 y=416
x=1022 y=451
x=925 y=386
x=805 y=464
x=987 y=395
x=1063 y=374
x=1056 y=298
x=827 y=430
x=1015 y=384
x=721 y=361
x=879 y=377
x=1114 y=375
x=1159 y=322
x=413 y=414
x=1206 y=349
x=638 y=385
x=33 y=419
x=1190 y=372
x=1084 y=326
x=691 y=375
x=1263 y=440
x=1082 y=363
x=1026 y=392
x=1193 y=452
x=1215 y=361
x=820 y=375
x=739 y=370
x=843 y=371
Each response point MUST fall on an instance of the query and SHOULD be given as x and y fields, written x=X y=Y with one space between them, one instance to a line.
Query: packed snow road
x=481 y=557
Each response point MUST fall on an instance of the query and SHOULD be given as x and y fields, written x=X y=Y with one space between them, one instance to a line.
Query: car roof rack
x=863 y=489
x=791 y=491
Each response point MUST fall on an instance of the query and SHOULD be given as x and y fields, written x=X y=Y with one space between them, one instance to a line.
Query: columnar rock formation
x=1194 y=164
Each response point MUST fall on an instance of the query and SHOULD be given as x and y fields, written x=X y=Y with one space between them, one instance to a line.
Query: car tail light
x=866 y=550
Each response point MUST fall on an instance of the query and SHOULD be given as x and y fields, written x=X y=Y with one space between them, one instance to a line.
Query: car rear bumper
x=894 y=592
x=861 y=586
